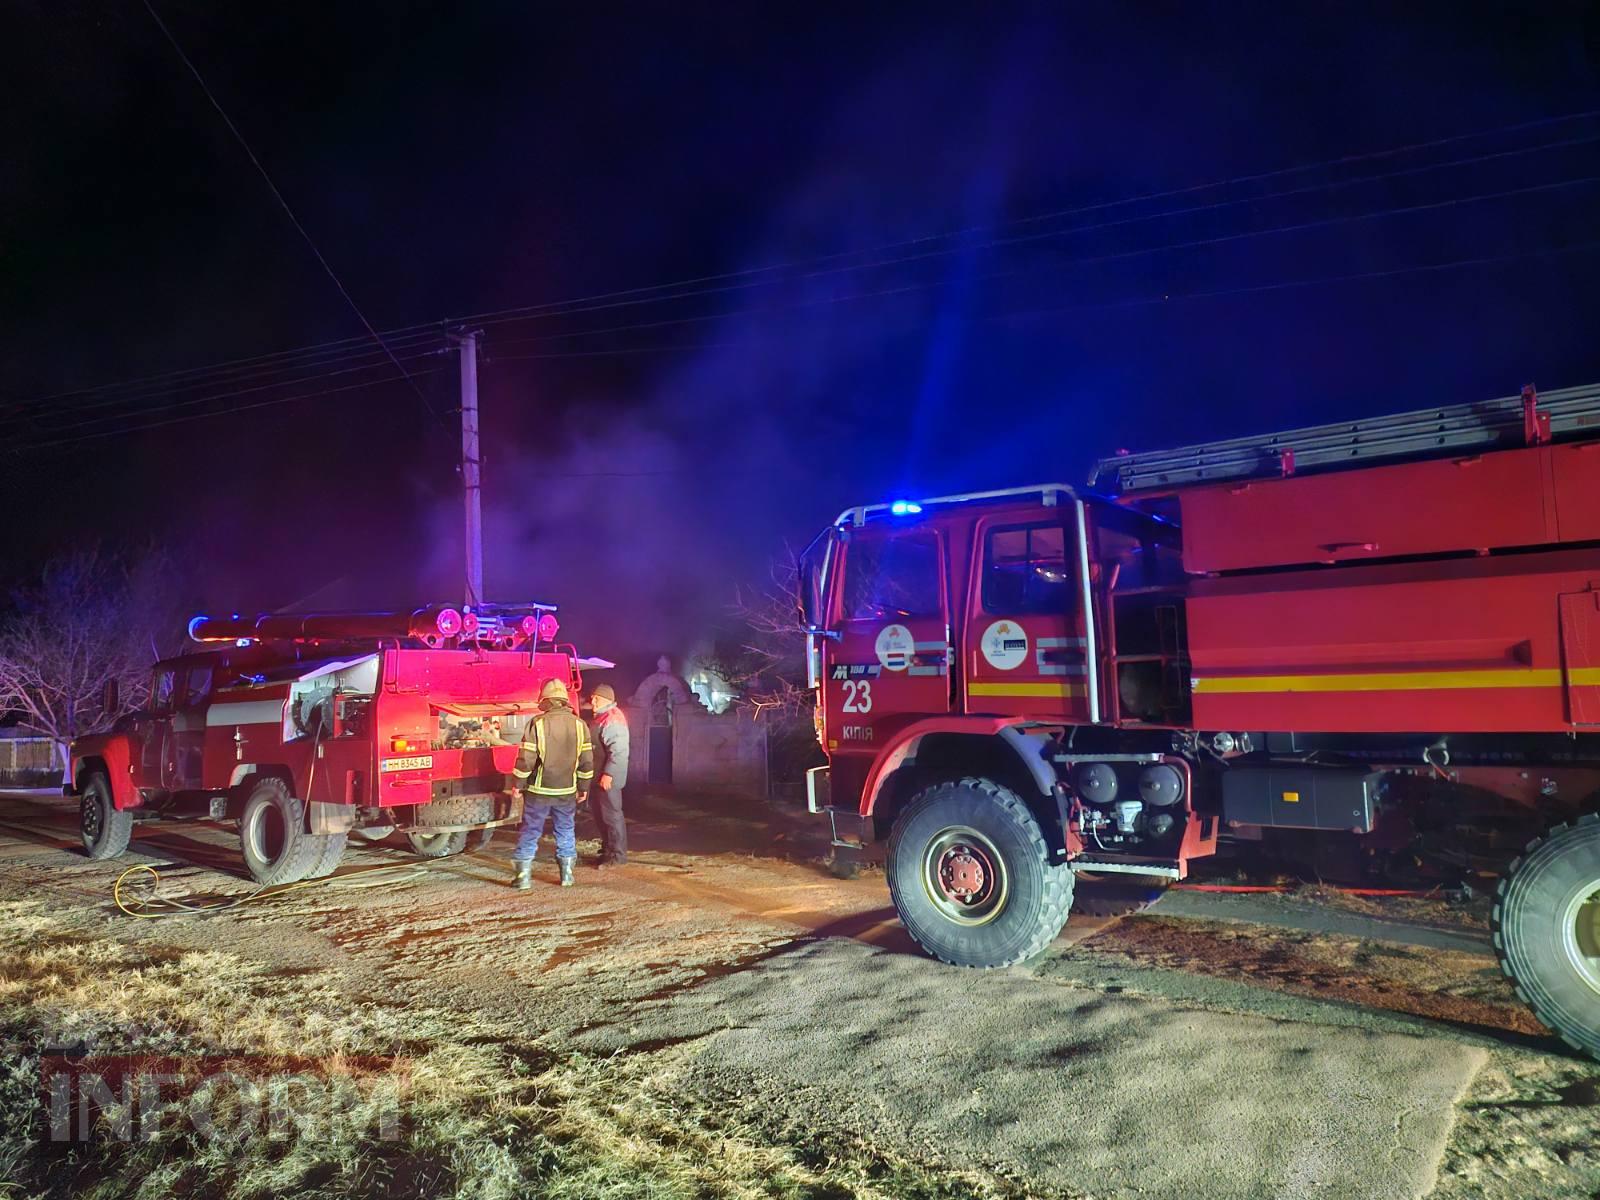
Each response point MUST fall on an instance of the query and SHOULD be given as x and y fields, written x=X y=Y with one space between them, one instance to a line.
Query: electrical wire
x=1113 y=256
x=1052 y=234
x=284 y=204
x=1145 y=301
x=132 y=429
x=265 y=387
x=142 y=409
x=1055 y=265
x=375 y=356
x=1099 y=306
x=558 y=308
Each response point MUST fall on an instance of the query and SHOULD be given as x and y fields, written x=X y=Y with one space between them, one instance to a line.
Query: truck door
x=1026 y=640
x=891 y=661
x=182 y=766
x=155 y=729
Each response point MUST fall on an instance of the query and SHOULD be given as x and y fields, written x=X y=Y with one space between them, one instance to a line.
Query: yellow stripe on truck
x=1398 y=681
x=1027 y=689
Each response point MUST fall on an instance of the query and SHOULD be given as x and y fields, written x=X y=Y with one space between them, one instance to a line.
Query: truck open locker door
x=891 y=661
x=1580 y=656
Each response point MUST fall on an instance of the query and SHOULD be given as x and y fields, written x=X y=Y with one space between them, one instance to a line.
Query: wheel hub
x=1580 y=934
x=90 y=811
x=964 y=876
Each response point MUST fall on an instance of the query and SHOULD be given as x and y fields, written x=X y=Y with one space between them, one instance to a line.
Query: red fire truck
x=309 y=728
x=1315 y=634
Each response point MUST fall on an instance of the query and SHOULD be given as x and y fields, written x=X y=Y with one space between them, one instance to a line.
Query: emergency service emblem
x=1005 y=645
x=895 y=646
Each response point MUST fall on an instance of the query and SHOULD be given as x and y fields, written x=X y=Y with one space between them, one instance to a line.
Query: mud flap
x=326 y=816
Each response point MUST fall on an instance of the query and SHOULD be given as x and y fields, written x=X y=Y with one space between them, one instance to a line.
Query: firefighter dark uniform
x=553 y=770
x=610 y=728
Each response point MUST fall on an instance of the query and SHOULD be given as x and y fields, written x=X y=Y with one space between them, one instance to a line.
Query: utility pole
x=471 y=465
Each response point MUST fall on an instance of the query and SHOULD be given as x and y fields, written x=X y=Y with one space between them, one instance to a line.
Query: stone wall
x=695 y=748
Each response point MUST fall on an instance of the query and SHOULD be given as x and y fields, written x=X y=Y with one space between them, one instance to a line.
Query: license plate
x=415 y=762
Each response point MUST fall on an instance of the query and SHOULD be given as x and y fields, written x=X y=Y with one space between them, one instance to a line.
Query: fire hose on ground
x=148 y=905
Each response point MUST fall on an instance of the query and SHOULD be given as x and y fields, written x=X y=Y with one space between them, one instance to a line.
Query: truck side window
x=161 y=690
x=1025 y=570
x=894 y=576
x=197 y=688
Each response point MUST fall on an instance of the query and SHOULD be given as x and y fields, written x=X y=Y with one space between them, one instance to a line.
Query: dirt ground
x=723 y=1017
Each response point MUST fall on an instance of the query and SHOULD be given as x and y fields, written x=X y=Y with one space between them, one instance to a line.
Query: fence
x=30 y=762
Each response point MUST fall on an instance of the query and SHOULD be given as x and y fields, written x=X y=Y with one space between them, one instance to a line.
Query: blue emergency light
x=905 y=508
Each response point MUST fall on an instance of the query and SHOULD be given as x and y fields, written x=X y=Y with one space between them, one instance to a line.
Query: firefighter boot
x=566 y=870
x=524 y=874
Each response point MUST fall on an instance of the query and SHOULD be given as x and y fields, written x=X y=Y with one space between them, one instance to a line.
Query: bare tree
x=88 y=620
x=765 y=660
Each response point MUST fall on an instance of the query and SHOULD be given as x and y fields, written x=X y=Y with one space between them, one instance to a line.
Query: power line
x=209 y=399
x=1146 y=301
x=222 y=412
x=907 y=288
x=284 y=204
x=1112 y=256
x=995 y=243
x=24 y=413
x=566 y=307
x=1136 y=302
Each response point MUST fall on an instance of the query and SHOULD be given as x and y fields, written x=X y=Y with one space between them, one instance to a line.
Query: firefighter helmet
x=554 y=689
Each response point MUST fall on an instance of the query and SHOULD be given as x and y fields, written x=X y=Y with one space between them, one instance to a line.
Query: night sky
x=933 y=326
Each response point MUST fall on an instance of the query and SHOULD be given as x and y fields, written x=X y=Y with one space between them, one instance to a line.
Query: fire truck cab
x=1046 y=691
x=307 y=729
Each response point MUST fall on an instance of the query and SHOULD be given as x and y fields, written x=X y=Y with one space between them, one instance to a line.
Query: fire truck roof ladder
x=1512 y=421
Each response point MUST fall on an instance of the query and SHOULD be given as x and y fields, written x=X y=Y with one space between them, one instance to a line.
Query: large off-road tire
x=971 y=876
x=438 y=845
x=277 y=846
x=332 y=851
x=105 y=830
x=1096 y=895
x=1546 y=927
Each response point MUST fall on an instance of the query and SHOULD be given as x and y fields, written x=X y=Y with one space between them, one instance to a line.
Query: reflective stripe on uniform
x=584 y=746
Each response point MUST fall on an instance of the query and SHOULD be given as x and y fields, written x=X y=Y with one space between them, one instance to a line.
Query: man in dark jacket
x=611 y=764
x=553 y=770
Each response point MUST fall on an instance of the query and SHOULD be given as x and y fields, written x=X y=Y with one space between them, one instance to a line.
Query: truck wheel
x=971 y=876
x=1096 y=895
x=105 y=830
x=438 y=845
x=1546 y=927
x=272 y=833
x=332 y=851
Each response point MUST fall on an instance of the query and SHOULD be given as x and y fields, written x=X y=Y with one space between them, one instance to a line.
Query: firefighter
x=610 y=728
x=553 y=771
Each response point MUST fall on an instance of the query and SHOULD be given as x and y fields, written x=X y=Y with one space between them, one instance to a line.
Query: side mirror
x=110 y=698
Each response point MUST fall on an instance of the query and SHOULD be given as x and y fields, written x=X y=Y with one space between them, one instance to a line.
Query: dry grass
x=484 y=1113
